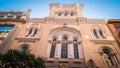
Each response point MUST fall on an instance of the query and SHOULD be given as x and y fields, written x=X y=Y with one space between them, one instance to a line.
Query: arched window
x=101 y=33
x=76 y=54
x=24 y=47
x=108 y=56
x=34 y=32
x=59 y=14
x=66 y=14
x=98 y=32
x=64 y=51
x=91 y=64
x=52 y=52
x=29 y=31
x=95 y=33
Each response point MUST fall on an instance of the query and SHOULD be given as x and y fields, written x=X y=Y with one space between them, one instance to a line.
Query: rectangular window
x=64 y=50
x=76 y=54
x=52 y=53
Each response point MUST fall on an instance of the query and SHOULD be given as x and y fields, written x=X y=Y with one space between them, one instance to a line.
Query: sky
x=95 y=9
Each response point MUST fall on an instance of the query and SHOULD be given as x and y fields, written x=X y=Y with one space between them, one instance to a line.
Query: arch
x=24 y=47
x=65 y=48
x=108 y=55
x=100 y=50
x=91 y=64
x=64 y=31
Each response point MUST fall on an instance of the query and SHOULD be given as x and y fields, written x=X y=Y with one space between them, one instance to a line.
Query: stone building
x=65 y=38
x=114 y=26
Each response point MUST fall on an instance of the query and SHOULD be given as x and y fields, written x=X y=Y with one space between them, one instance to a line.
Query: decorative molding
x=111 y=42
x=96 y=21
x=69 y=20
x=27 y=39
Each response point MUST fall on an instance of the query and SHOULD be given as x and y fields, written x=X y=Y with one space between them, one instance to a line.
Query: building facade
x=114 y=26
x=65 y=38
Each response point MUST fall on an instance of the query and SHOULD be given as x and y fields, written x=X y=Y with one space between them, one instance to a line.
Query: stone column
x=49 y=49
x=70 y=49
x=27 y=31
x=58 y=48
x=33 y=32
x=62 y=14
x=56 y=14
x=69 y=14
x=104 y=34
x=80 y=51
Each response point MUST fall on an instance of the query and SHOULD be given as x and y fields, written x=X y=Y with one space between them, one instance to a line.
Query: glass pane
x=4 y=30
x=95 y=33
x=64 y=50
x=101 y=33
x=76 y=54
x=52 y=52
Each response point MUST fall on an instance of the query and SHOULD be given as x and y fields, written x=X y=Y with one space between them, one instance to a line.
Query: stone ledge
x=111 y=42
x=27 y=39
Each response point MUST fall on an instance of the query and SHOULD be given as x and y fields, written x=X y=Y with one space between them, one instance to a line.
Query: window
x=31 y=31
x=64 y=48
x=101 y=33
x=95 y=33
x=118 y=29
x=34 y=32
x=28 y=32
x=108 y=56
x=76 y=54
x=52 y=53
x=66 y=14
x=72 y=14
x=59 y=14
x=91 y=64
x=24 y=47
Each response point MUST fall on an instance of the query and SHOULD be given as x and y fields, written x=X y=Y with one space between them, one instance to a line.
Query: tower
x=58 y=10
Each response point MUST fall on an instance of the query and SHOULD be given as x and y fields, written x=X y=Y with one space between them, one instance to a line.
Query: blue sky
x=102 y=9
